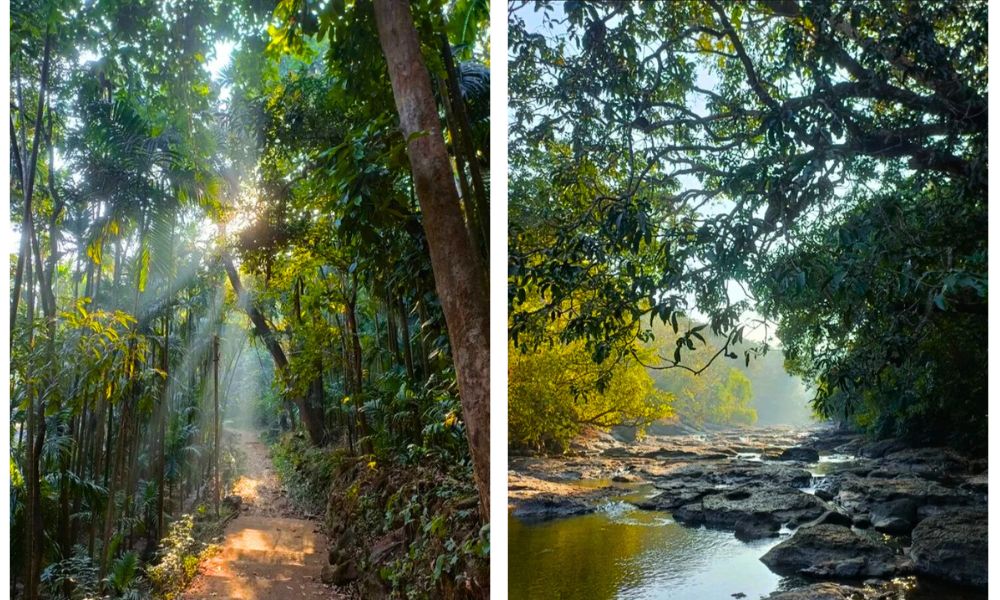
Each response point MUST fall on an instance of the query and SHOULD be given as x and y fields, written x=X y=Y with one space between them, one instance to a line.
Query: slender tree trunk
x=425 y=361
x=404 y=321
x=161 y=436
x=215 y=394
x=355 y=344
x=57 y=208
x=390 y=329
x=466 y=146
x=348 y=379
x=31 y=520
x=468 y=203
x=30 y=168
x=461 y=284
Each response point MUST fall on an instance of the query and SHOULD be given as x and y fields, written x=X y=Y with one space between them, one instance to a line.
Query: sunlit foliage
x=820 y=163
x=553 y=395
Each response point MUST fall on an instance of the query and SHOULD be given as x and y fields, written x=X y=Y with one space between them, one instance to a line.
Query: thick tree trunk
x=458 y=274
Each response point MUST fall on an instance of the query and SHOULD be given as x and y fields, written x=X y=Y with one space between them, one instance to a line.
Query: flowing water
x=621 y=552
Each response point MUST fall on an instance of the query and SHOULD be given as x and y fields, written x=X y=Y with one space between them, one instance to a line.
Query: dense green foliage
x=721 y=394
x=717 y=397
x=820 y=166
x=554 y=394
x=424 y=518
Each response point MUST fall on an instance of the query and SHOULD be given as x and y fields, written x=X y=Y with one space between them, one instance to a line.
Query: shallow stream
x=622 y=552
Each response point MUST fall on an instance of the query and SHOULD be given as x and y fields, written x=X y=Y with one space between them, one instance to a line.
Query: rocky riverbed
x=849 y=518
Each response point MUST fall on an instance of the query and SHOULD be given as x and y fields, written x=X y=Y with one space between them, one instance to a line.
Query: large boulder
x=800 y=453
x=862 y=494
x=881 y=448
x=738 y=472
x=938 y=464
x=832 y=551
x=953 y=546
x=676 y=493
x=759 y=509
x=549 y=506
x=896 y=517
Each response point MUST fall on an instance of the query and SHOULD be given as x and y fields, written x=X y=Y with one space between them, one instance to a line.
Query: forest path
x=269 y=551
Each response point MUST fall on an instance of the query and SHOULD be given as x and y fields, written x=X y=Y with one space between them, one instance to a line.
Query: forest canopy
x=277 y=205
x=816 y=168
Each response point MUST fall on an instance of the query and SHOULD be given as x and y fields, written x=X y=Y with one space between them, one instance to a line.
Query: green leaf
x=143 y=269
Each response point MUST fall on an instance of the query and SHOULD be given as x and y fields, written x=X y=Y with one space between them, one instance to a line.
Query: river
x=622 y=552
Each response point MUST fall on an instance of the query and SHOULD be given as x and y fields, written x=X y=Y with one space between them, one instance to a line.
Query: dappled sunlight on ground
x=246 y=488
x=267 y=552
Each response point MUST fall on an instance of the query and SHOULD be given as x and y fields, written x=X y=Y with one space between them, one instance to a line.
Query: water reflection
x=624 y=553
x=621 y=552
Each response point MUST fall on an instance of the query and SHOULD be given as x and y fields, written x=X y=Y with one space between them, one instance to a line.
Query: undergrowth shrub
x=428 y=519
x=181 y=551
x=305 y=470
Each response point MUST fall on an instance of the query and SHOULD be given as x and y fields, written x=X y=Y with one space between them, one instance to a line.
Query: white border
x=498 y=299
x=994 y=314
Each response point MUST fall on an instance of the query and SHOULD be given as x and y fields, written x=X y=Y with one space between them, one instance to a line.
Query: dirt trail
x=268 y=551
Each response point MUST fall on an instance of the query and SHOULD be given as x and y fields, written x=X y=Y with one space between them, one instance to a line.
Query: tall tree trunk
x=57 y=208
x=356 y=366
x=461 y=284
x=425 y=361
x=215 y=395
x=161 y=434
x=30 y=169
x=464 y=144
x=31 y=520
x=261 y=328
x=404 y=321
x=468 y=203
